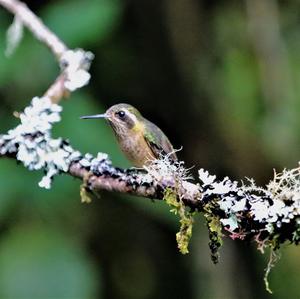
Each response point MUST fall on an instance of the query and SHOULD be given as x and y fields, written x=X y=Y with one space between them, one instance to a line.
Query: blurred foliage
x=95 y=21
x=219 y=77
x=36 y=270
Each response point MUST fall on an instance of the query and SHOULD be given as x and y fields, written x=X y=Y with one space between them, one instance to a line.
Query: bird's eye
x=121 y=113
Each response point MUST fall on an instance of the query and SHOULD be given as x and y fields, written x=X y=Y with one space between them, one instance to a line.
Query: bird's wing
x=158 y=141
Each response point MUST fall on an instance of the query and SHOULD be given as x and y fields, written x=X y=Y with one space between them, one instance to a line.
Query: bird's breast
x=136 y=149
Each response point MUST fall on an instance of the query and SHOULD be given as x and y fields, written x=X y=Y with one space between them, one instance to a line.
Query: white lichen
x=230 y=222
x=286 y=184
x=168 y=171
x=33 y=144
x=75 y=65
x=278 y=203
x=205 y=177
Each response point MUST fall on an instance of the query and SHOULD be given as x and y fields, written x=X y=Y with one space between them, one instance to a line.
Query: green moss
x=85 y=194
x=186 y=219
x=215 y=232
x=185 y=233
x=170 y=198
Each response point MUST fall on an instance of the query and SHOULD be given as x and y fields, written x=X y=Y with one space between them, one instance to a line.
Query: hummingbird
x=140 y=140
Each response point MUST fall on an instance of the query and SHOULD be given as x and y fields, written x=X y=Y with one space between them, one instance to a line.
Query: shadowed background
x=220 y=78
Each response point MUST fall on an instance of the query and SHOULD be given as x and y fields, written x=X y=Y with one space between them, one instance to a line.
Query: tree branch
x=74 y=64
x=35 y=25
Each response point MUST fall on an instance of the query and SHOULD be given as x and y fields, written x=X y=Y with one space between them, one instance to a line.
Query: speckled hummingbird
x=139 y=139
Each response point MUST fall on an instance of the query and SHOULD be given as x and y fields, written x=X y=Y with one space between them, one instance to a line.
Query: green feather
x=157 y=140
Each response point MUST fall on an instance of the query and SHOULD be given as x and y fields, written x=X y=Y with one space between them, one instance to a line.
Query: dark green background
x=220 y=78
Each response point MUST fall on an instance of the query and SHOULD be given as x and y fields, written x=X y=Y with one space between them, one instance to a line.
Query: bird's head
x=123 y=118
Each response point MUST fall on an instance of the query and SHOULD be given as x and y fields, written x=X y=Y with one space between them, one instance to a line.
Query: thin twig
x=57 y=90
x=74 y=64
x=35 y=25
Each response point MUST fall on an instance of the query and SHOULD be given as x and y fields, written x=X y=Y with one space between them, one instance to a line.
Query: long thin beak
x=94 y=116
